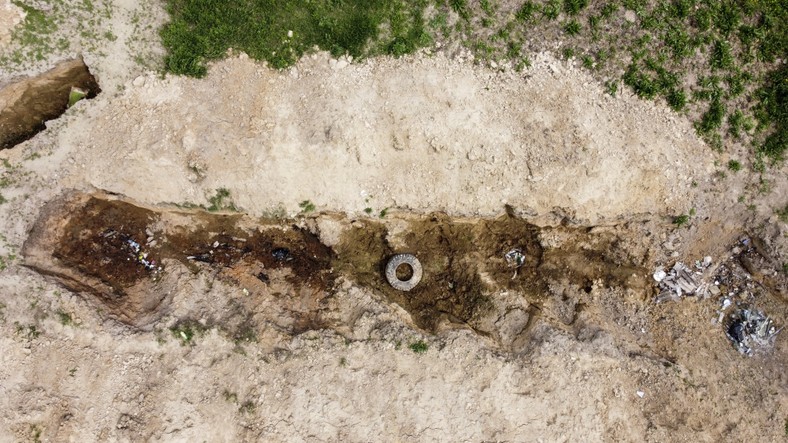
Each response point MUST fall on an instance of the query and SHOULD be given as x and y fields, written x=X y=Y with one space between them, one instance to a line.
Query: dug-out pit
x=26 y=105
x=120 y=255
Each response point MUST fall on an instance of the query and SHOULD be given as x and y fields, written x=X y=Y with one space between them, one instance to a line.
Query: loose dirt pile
x=427 y=135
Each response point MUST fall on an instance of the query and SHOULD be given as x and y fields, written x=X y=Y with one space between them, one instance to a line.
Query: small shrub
x=572 y=28
x=248 y=407
x=608 y=10
x=568 y=53
x=612 y=88
x=65 y=318
x=721 y=57
x=551 y=9
x=461 y=8
x=681 y=220
x=419 y=347
x=526 y=12
x=712 y=119
x=783 y=214
x=734 y=165
x=676 y=99
x=230 y=397
x=573 y=7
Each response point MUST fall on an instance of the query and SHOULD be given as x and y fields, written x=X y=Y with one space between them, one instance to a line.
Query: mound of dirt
x=430 y=134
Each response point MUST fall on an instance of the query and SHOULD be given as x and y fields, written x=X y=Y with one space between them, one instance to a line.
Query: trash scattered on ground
x=135 y=248
x=515 y=259
x=219 y=252
x=750 y=329
x=640 y=394
x=683 y=281
x=282 y=254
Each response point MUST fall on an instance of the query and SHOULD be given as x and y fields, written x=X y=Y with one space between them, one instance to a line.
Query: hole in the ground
x=29 y=103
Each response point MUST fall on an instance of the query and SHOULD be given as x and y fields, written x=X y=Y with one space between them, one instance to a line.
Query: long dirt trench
x=128 y=259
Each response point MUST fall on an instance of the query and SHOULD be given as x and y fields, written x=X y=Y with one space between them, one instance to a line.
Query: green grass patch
x=772 y=112
x=721 y=56
x=681 y=220
x=221 y=201
x=65 y=318
x=280 y=32
x=572 y=27
x=306 y=206
x=419 y=347
x=186 y=330
x=527 y=12
x=573 y=7
x=551 y=9
x=712 y=118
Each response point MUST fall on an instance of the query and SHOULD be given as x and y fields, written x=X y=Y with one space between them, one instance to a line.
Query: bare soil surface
x=128 y=312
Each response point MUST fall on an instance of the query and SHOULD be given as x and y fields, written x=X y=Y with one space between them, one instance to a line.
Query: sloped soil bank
x=26 y=105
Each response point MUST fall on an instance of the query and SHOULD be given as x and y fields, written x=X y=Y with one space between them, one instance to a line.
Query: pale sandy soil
x=420 y=134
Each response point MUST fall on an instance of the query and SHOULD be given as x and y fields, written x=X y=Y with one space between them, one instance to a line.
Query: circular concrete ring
x=391 y=272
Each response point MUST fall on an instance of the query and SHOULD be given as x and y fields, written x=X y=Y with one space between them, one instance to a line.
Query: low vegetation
x=718 y=62
x=419 y=347
x=280 y=32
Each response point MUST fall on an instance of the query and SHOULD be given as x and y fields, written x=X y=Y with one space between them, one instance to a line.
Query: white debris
x=640 y=394
x=683 y=281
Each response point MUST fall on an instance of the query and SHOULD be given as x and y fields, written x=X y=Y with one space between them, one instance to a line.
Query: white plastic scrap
x=750 y=328
x=680 y=281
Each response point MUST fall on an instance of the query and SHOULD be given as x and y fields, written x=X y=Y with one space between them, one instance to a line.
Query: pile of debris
x=136 y=252
x=684 y=281
x=749 y=329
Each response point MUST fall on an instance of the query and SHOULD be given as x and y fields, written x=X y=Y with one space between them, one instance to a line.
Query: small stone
x=139 y=81
x=630 y=16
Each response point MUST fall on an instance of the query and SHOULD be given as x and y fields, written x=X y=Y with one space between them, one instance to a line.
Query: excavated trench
x=127 y=259
x=26 y=105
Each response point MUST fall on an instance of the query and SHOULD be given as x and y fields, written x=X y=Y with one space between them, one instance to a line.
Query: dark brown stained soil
x=29 y=103
x=463 y=262
x=124 y=247
x=96 y=241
